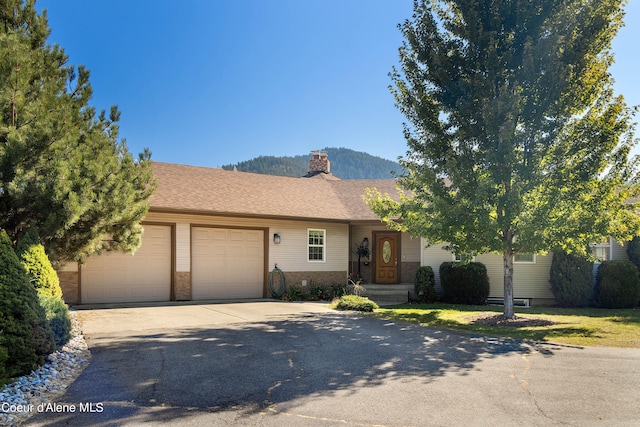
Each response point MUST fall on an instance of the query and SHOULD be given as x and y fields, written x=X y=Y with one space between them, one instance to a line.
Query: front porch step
x=388 y=294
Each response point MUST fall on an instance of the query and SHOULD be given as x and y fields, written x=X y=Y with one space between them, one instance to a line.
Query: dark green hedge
x=464 y=283
x=571 y=280
x=425 y=284
x=617 y=285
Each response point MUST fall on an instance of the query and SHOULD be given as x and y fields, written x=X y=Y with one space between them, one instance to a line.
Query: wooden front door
x=386 y=257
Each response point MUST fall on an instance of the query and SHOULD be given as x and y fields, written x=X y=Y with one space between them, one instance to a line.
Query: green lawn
x=573 y=326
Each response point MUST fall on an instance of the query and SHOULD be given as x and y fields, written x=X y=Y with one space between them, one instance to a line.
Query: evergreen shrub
x=633 y=251
x=26 y=337
x=464 y=283
x=356 y=303
x=571 y=279
x=617 y=284
x=37 y=265
x=425 y=284
x=57 y=314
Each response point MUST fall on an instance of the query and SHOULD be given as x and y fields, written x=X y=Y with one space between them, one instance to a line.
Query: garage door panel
x=118 y=277
x=227 y=263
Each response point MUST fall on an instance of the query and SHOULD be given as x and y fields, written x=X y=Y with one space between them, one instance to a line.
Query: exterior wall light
x=276 y=238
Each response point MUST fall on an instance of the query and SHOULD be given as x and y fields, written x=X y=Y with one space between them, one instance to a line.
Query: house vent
x=517 y=302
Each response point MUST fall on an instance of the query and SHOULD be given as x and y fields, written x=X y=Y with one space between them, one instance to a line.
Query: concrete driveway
x=291 y=364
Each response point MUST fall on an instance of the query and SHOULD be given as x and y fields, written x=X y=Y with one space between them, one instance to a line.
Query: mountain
x=345 y=164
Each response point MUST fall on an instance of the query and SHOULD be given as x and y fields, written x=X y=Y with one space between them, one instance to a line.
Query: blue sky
x=214 y=82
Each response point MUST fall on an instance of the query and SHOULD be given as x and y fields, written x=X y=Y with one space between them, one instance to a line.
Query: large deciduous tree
x=63 y=168
x=516 y=141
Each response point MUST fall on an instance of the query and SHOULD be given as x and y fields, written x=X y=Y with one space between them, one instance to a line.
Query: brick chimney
x=319 y=162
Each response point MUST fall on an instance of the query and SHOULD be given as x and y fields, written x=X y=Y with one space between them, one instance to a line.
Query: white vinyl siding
x=530 y=280
x=290 y=255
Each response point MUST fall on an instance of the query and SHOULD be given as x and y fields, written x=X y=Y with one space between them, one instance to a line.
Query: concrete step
x=387 y=294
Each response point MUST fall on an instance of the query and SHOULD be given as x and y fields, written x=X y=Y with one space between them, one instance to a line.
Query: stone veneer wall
x=182 y=285
x=319 y=277
x=69 y=281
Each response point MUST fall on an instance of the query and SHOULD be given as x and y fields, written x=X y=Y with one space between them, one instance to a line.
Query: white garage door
x=118 y=277
x=227 y=263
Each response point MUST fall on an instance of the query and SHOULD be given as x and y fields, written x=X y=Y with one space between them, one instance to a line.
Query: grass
x=572 y=326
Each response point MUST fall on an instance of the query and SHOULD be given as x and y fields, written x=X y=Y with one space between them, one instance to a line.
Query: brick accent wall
x=320 y=277
x=182 y=285
x=69 y=281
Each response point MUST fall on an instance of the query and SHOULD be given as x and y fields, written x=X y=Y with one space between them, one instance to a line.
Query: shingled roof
x=193 y=189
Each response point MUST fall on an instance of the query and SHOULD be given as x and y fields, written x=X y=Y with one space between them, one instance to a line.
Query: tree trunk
x=508 y=284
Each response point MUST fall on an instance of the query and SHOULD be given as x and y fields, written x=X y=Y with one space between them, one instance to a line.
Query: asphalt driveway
x=291 y=364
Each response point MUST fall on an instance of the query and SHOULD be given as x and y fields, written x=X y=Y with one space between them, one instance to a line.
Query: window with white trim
x=602 y=251
x=316 y=244
x=524 y=258
x=468 y=257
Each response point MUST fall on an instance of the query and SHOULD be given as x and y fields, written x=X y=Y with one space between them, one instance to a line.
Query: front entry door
x=387 y=257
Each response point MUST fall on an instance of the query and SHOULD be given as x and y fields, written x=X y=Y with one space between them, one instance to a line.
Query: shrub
x=57 y=314
x=26 y=336
x=571 y=281
x=294 y=293
x=617 y=284
x=425 y=284
x=37 y=265
x=356 y=303
x=633 y=251
x=464 y=283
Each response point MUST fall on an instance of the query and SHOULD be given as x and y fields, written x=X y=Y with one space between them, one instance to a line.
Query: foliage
x=25 y=336
x=516 y=142
x=464 y=283
x=571 y=279
x=315 y=292
x=425 y=284
x=63 y=168
x=37 y=265
x=57 y=314
x=571 y=326
x=633 y=251
x=356 y=303
x=617 y=284
x=345 y=163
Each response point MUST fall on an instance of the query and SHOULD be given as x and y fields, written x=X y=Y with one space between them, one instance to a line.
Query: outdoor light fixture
x=276 y=238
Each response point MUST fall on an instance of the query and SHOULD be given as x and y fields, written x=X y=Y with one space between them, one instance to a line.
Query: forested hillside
x=345 y=164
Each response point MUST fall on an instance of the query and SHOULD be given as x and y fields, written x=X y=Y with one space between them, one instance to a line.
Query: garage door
x=227 y=263
x=118 y=277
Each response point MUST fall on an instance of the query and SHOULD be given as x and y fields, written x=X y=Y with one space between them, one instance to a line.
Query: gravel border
x=20 y=399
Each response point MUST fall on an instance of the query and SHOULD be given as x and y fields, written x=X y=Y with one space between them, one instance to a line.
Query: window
x=602 y=251
x=525 y=258
x=316 y=244
x=468 y=257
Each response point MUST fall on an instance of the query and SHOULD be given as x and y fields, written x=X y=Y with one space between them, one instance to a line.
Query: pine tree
x=517 y=143
x=63 y=168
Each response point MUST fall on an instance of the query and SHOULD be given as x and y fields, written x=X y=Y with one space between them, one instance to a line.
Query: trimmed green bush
x=425 y=284
x=26 y=337
x=571 y=281
x=356 y=303
x=464 y=283
x=57 y=314
x=633 y=251
x=617 y=284
x=37 y=265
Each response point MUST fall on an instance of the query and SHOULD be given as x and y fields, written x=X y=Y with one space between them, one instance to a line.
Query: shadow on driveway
x=252 y=368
